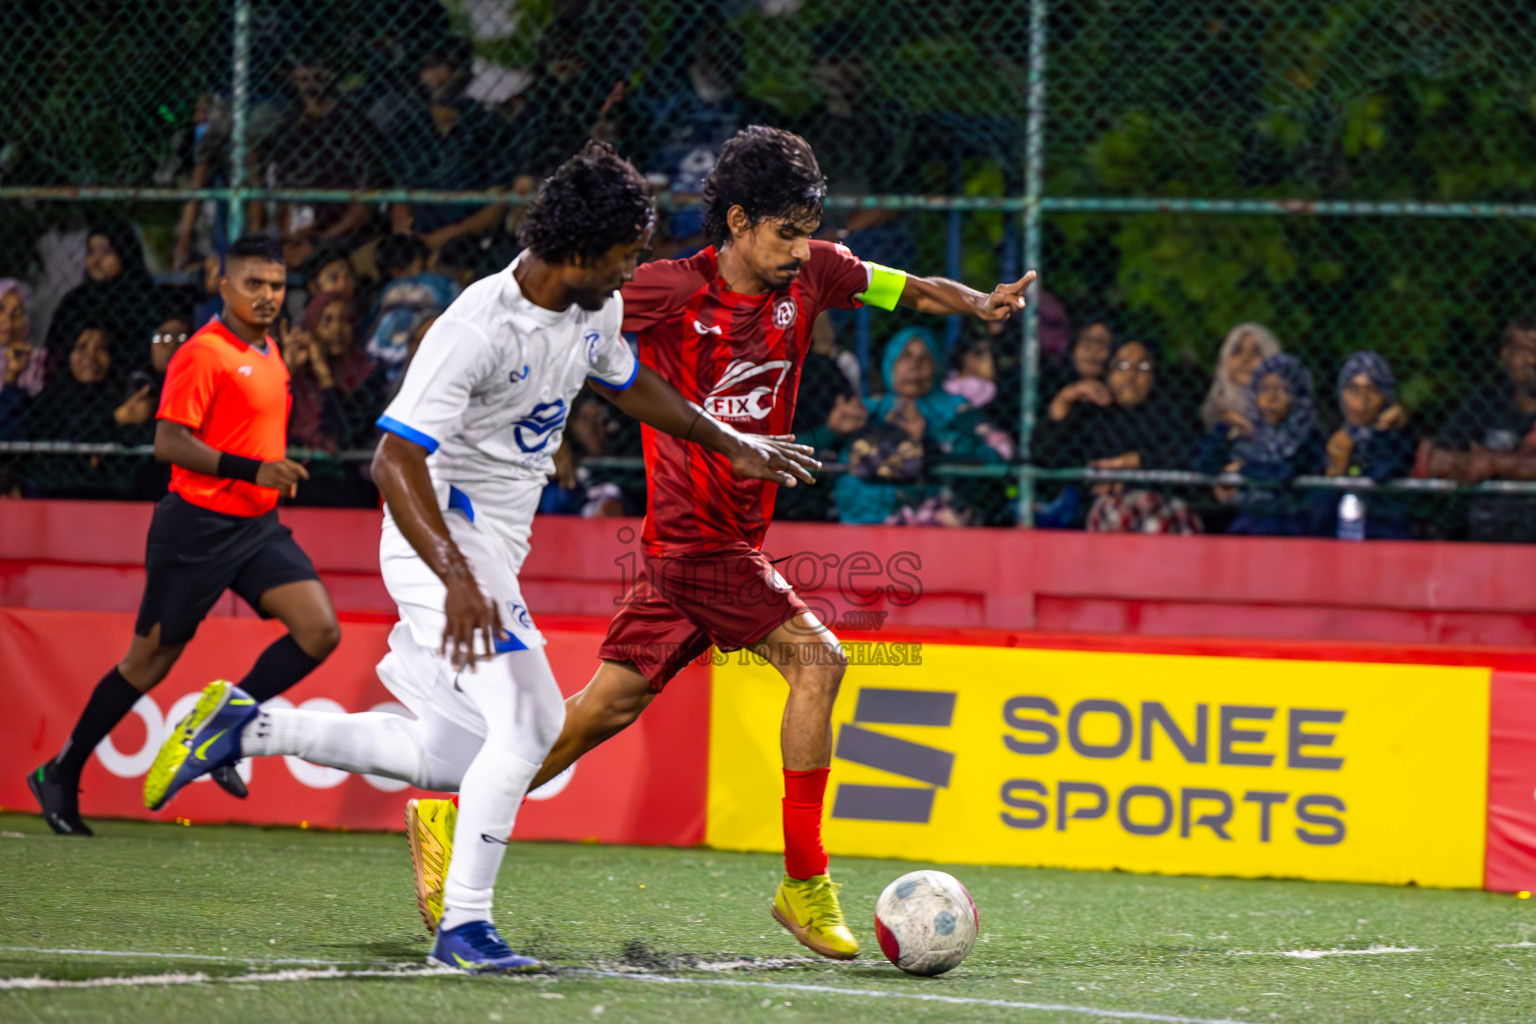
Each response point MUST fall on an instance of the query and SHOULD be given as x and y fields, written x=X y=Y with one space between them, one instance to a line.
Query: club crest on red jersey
x=747 y=390
x=784 y=312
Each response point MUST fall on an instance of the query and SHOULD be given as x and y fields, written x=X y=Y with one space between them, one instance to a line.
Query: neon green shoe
x=429 y=827
x=810 y=910
x=205 y=740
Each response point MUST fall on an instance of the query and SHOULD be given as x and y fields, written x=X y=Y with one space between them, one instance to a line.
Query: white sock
x=373 y=742
x=520 y=702
x=489 y=797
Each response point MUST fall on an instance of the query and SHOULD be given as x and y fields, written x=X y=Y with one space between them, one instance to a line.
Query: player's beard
x=591 y=301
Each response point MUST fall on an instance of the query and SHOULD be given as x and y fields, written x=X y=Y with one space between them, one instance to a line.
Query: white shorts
x=414 y=670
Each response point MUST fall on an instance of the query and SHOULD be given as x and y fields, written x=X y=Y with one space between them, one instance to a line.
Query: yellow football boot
x=429 y=826
x=810 y=910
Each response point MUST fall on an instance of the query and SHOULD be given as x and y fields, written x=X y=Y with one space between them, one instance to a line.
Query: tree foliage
x=1299 y=100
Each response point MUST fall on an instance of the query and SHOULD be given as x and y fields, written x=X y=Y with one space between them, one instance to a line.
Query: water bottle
x=1351 y=518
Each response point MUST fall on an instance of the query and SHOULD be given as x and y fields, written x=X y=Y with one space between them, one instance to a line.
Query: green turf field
x=243 y=924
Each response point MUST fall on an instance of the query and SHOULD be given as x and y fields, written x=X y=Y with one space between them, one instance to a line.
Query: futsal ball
x=926 y=922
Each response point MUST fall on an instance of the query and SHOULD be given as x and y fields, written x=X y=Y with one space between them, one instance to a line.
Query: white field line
x=128 y=982
x=1318 y=954
x=179 y=978
x=714 y=966
x=134 y=954
x=301 y=974
x=925 y=997
x=334 y=973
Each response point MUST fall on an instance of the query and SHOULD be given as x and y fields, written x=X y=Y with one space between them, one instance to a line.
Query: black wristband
x=238 y=467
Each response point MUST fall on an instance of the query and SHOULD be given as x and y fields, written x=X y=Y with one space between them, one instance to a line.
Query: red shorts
x=679 y=607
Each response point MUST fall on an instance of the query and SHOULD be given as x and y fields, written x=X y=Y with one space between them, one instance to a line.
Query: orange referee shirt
x=235 y=398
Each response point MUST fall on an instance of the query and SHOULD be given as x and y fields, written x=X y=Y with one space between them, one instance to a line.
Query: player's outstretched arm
x=401 y=475
x=651 y=400
x=175 y=443
x=943 y=297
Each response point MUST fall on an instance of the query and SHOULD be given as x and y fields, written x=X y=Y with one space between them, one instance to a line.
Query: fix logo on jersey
x=699 y=327
x=245 y=371
x=746 y=390
x=591 y=338
x=518 y=376
x=533 y=431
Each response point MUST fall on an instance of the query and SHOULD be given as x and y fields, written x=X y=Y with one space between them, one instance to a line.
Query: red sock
x=803 y=794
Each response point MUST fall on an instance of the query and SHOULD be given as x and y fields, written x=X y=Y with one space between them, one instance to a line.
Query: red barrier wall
x=88 y=555
x=1511 y=862
x=646 y=785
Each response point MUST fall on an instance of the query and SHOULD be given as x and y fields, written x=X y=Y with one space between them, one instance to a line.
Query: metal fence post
x=1034 y=165
x=239 y=111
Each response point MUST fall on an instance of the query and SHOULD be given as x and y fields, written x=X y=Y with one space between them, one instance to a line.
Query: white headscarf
x=1226 y=395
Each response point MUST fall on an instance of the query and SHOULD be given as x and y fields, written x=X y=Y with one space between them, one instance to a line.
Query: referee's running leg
x=222 y=423
x=259 y=561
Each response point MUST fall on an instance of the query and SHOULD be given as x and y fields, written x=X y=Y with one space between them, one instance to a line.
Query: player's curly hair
x=769 y=173
x=593 y=202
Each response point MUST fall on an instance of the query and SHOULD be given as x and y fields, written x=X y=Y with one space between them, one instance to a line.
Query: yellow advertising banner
x=1154 y=763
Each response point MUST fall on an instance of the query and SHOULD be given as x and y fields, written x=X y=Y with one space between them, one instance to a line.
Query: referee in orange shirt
x=223 y=426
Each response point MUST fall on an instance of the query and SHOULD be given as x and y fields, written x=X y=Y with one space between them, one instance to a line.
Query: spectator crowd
x=367 y=279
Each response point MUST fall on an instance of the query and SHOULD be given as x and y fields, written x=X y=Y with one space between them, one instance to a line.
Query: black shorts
x=193 y=555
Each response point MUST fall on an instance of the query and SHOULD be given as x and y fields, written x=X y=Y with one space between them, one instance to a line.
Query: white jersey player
x=468 y=447
x=486 y=397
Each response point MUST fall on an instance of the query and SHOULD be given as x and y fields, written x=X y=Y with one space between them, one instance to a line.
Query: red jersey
x=738 y=356
x=235 y=398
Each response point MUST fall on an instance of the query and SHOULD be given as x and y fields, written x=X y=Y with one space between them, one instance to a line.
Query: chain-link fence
x=1227 y=201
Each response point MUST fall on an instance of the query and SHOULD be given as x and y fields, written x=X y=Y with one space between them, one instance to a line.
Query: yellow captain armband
x=885 y=286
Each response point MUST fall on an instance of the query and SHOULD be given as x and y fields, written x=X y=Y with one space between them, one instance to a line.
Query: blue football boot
x=206 y=739
x=477 y=948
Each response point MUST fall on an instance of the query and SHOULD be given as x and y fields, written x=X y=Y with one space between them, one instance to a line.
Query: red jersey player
x=730 y=328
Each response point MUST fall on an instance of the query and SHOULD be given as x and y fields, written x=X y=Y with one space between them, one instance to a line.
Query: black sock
x=110 y=703
x=279 y=667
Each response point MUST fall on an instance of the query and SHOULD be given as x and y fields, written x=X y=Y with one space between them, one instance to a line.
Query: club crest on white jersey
x=533 y=432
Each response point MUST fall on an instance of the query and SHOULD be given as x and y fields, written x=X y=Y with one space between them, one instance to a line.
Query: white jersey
x=487 y=395
x=489 y=391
